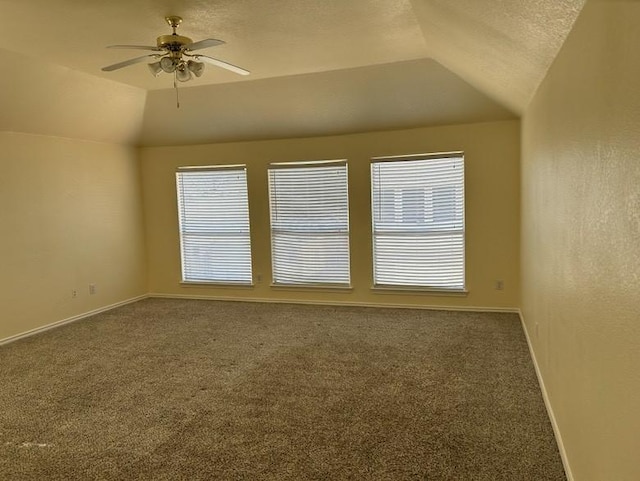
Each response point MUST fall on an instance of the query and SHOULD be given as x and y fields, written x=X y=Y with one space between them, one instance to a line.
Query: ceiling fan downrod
x=174 y=22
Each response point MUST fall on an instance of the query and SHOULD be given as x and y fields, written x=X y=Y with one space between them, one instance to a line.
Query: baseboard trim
x=335 y=303
x=84 y=315
x=62 y=322
x=547 y=403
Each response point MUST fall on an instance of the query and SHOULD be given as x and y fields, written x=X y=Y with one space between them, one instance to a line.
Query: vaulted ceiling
x=316 y=67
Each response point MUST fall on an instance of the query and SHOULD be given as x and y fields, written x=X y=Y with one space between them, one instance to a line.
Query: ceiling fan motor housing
x=173 y=43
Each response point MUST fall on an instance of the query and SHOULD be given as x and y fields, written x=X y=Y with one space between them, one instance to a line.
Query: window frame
x=460 y=289
x=344 y=232
x=244 y=278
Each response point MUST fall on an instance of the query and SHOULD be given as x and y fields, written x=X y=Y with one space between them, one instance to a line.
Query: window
x=214 y=224
x=418 y=221
x=309 y=223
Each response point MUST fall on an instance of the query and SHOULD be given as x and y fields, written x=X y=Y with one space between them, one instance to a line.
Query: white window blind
x=309 y=223
x=418 y=221
x=214 y=224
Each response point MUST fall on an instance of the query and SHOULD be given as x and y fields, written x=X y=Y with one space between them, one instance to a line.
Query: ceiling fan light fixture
x=155 y=68
x=196 y=68
x=168 y=65
x=182 y=73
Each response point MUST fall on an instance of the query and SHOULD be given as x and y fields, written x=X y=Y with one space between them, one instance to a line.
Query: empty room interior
x=412 y=194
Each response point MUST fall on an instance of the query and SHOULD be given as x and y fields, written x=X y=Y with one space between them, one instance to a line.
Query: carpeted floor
x=203 y=390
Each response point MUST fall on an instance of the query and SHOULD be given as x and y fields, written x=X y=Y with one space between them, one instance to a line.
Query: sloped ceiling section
x=41 y=98
x=382 y=97
x=503 y=48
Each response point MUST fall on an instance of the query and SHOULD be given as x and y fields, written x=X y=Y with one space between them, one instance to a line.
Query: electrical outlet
x=74 y=293
x=258 y=278
x=499 y=285
x=92 y=289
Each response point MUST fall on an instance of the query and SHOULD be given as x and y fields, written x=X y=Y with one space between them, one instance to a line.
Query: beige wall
x=492 y=175
x=581 y=240
x=70 y=212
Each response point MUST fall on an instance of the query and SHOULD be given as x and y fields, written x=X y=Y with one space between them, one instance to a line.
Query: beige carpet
x=203 y=390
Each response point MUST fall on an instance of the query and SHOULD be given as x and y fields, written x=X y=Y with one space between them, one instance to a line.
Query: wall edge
x=547 y=403
x=53 y=325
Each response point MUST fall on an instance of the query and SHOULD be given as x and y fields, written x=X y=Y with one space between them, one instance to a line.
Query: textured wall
x=580 y=240
x=491 y=172
x=70 y=213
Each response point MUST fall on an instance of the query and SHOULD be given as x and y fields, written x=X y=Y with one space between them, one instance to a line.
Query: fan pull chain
x=175 y=86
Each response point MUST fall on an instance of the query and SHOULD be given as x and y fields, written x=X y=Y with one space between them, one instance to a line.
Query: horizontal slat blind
x=418 y=222
x=214 y=225
x=309 y=223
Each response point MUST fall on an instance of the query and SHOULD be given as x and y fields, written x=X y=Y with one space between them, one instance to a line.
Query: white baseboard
x=335 y=303
x=267 y=300
x=84 y=315
x=547 y=403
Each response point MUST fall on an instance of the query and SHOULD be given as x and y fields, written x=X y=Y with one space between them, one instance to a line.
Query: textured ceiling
x=271 y=39
x=502 y=47
x=316 y=67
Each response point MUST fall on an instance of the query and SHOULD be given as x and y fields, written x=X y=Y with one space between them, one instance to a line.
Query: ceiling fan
x=174 y=55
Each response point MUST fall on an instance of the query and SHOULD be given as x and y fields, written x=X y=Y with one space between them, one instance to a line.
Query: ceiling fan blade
x=138 y=47
x=206 y=43
x=220 y=63
x=126 y=63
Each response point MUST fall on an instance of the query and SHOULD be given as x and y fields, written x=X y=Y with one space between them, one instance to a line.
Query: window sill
x=311 y=287
x=419 y=290
x=224 y=285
